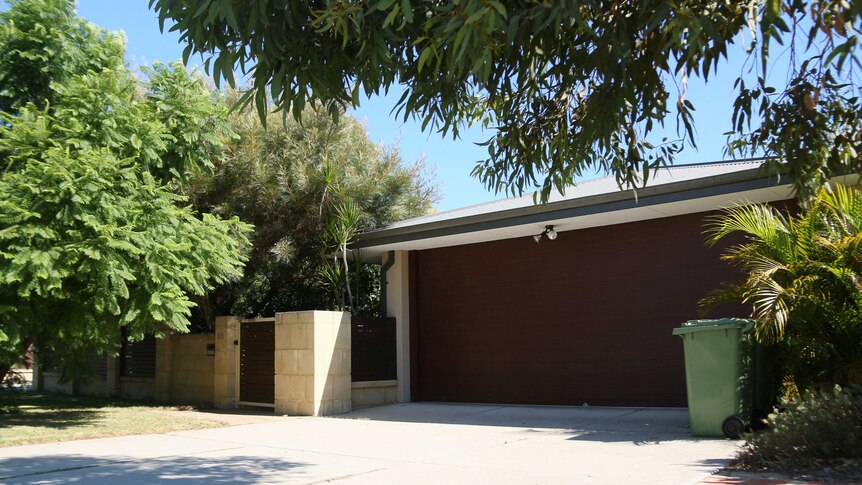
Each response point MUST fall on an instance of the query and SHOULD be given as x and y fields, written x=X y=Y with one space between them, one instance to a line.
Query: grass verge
x=30 y=418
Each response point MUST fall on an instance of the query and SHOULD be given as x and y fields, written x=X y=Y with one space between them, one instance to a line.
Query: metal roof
x=587 y=188
x=672 y=185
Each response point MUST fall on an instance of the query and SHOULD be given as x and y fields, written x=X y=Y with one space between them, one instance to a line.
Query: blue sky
x=451 y=160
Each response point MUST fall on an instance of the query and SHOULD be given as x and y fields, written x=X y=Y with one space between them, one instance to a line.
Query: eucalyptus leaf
x=530 y=72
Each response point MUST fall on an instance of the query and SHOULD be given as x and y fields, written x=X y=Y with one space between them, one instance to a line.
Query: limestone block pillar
x=112 y=375
x=38 y=380
x=312 y=363
x=164 y=369
x=225 y=391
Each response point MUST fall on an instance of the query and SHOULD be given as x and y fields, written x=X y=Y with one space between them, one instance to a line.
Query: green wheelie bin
x=721 y=371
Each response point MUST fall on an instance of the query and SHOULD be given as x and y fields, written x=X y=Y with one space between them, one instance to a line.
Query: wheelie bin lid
x=693 y=326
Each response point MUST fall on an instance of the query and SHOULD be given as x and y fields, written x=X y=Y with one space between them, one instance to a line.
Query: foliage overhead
x=569 y=86
x=803 y=280
x=45 y=44
x=93 y=236
x=307 y=187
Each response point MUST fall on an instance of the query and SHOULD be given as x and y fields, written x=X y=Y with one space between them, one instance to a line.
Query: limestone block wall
x=97 y=386
x=184 y=375
x=192 y=369
x=312 y=363
x=312 y=369
x=374 y=393
x=50 y=381
x=225 y=391
x=164 y=369
x=137 y=388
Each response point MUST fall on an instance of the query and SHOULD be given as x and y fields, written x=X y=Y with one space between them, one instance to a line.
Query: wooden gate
x=257 y=363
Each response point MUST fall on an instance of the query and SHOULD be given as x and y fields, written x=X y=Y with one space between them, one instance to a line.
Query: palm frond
x=760 y=223
x=850 y=250
x=726 y=293
x=771 y=309
x=843 y=206
x=762 y=266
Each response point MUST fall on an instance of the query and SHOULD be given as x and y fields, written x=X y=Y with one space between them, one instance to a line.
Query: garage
x=486 y=314
x=586 y=318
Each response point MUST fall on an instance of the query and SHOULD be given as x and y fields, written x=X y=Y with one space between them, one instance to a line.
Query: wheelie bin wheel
x=732 y=427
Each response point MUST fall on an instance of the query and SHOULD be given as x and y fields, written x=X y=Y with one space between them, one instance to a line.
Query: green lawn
x=29 y=417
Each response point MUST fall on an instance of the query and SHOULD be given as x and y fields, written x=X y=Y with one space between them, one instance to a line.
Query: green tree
x=803 y=280
x=569 y=86
x=308 y=187
x=44 y=44
x=93 y=236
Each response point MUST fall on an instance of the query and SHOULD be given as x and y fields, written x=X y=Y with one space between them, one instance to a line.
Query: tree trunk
x=347 y=276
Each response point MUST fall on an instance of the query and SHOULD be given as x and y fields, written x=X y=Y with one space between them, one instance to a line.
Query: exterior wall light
x=549 y=232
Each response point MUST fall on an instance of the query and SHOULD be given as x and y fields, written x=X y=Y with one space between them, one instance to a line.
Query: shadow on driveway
x=175 y=469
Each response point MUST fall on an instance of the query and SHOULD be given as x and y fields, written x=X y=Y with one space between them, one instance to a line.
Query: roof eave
x=671 y=192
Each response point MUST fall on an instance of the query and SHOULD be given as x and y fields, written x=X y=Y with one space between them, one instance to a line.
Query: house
x=486 y=314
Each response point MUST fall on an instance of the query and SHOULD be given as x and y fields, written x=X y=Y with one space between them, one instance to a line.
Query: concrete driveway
x=405 y=443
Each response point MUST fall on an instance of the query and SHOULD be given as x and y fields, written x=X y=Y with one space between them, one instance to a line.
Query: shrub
x=822 y=429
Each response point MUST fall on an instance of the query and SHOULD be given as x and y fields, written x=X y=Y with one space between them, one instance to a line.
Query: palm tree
x=803 y=281
x=340 y=234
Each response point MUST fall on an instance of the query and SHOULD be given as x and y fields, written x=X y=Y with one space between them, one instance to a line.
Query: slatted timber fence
x=372 y=349
x=138 y=359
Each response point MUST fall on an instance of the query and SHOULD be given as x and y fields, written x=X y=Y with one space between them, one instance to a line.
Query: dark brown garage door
x=257 y=363
x=583 y=319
